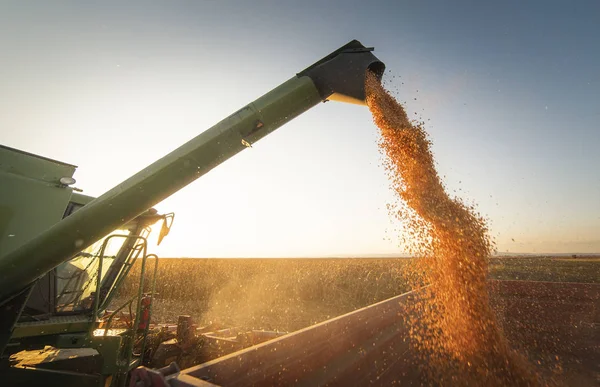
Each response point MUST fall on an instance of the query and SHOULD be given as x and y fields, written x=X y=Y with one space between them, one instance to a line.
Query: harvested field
x=555 y=269
x=289 y=294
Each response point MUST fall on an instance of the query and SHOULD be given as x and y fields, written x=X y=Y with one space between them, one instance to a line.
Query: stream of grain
x=453 y=327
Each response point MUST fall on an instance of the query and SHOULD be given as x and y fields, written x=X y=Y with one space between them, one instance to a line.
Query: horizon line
x=388 y=256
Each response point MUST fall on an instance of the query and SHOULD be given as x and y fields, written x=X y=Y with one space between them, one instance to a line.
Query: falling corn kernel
x=453 y=327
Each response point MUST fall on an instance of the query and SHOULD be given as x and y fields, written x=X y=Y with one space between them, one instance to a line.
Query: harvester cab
x=71 y=287
x=66 y=306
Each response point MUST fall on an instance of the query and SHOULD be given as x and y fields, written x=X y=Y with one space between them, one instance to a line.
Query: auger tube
x=338 y=76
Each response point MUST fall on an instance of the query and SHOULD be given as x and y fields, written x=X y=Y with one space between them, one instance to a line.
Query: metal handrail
x=138 y=308
x=147 y=327
x=131 y=342
x=117 y=284
x=101 y=258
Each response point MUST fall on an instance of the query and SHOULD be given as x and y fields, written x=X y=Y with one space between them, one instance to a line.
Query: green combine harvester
x=64 y=256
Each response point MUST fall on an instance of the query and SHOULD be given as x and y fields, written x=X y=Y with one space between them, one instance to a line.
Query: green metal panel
x=109 y=348
x=31 y=196
x=54 y=325
x=33 y=166
x=156 y=182
x=42 y=377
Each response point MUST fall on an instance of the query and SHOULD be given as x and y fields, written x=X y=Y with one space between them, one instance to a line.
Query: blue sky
x=510 y=93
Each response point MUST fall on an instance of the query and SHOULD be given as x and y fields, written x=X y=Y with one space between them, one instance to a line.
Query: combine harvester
x=64 y=256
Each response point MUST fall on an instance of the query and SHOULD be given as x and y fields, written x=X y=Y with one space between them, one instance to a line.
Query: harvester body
x=63 y=255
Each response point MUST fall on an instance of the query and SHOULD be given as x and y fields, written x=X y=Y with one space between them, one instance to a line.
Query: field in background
x=289 y=294
x=559 y=269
